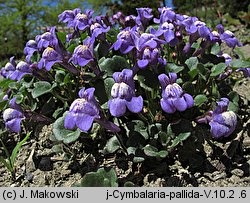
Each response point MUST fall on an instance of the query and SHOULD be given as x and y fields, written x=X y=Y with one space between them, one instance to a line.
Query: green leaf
x=188 y=87
x=215 y=90
x=131 y=150
x=16 y=149
x=40 y=88
x=102 y=49
x=101 y=92
x=6 y=164
x=112 y=35
x=202 y=71
x=170 y=131
x=13 y=85
x=164 y=138
x=238 y=63
x=61 y=36
x=57 y=149
x=129 y=184
x=114 y=64
x=181 y=137
x=137 y=132
x=192 y=63
x=215 y=49
x=172 y=67
x=153 y=152
x=71 y=48
x=3 y=104
x=218 y=69
x=233 y=96
x=233 y=107
x=62 y=134
x=101 y=178
x=4 y=83
x=148 y=80
x=155 y=129
x=138 y=159
x=108 y=83
x=19 y=98
x=193 y=73
x=200 y=99
x=112 y=145
x=59 y=77
x=150 y=150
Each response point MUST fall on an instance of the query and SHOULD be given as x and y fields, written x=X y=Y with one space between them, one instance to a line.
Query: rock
x=238 y=172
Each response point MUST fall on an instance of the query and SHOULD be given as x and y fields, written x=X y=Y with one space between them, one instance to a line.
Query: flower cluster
x=90 y=48
x=15 y=71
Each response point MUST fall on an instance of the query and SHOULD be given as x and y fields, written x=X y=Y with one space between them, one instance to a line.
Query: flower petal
x=117 y=107
x=217 y=130
x=135 y=105
x=169 y=35
x=69 y=121
x=81 y=92
x=168 y=108
x=14 y=125
x=142 y=63
x=189 y=100
x=84 y=122
x=180 y=104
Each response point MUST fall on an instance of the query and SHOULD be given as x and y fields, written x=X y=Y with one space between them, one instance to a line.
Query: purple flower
x=83 y=20
x=173 y=97
x=167 y=29
x=246 y=72
x=47 y=39
x=16 y=72
x=22 y=69
x=126 y=40
x=227 y=58
x=221 y=121
x=5 y=97
x=148 y=40
x=215 y=37
x=123 y=94
x=129 y=21
x=148 y=47
x=228 y=37
x=30 y=49
x=118 y=16
x=84 y=111
x=98 y=28
x=150 y=57
x=144 y=16
x=9 y=68
x=190 y=25
x=13 y=116
x=166 y=15
x=83 y=54
x=49 y=57
x=68 y=16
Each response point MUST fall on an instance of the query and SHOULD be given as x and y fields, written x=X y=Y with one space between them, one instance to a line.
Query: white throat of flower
x=7 y=114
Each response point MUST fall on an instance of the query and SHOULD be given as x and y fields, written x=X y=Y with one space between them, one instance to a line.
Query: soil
x=199 y=162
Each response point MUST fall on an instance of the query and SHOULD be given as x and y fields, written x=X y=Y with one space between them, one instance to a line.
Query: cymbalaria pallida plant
x=129 y=80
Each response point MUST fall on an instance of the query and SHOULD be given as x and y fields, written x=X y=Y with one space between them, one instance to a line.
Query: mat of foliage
x=157 y=99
